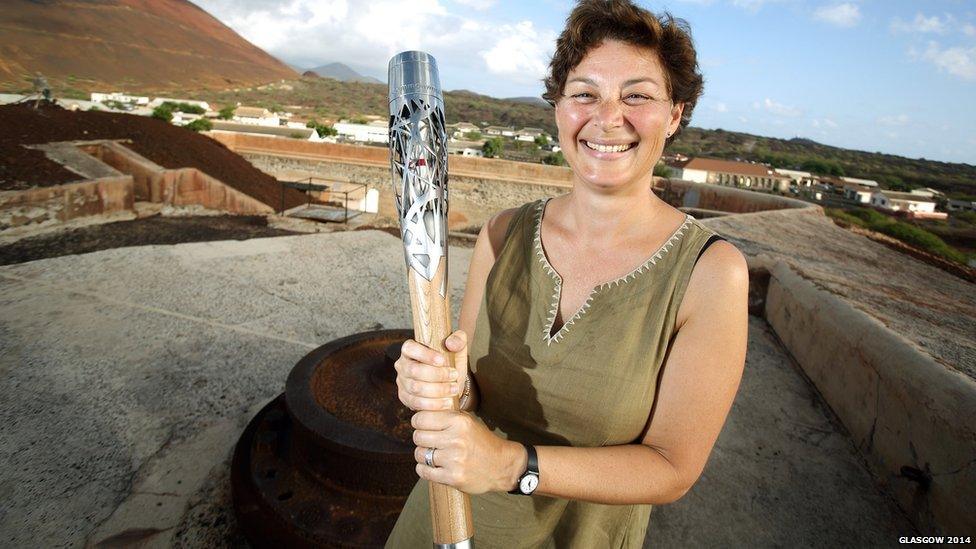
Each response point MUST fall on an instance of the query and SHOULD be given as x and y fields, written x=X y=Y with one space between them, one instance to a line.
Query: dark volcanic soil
x=165 y=144
x=140 y=232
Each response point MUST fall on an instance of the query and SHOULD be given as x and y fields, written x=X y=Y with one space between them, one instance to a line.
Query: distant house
x=800 y=179
x=256 y=116
x=459 y=130
x=377 y=131
x=928 y=192
x=464 y=148
x=858 y=190
x=307 y=134
x=97 y=97
x=506 y=131
x=157 y=101
x=914 y=205
x=954 y=205
x=529 y=134
x=731 y=173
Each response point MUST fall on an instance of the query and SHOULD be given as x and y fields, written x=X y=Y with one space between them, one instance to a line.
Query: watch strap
x=532 y=467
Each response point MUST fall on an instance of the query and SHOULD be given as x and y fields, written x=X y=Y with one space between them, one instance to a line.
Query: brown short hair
x=593 y=21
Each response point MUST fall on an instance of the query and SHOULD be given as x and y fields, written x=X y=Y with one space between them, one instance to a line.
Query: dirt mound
x=167 y=145
x=136 y=45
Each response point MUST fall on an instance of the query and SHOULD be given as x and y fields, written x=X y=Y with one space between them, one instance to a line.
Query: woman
x=607 y=337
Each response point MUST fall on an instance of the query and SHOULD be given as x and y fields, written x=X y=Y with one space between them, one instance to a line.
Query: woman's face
x=614 y=116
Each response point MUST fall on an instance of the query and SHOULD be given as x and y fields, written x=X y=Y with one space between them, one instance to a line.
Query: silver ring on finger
x=429 y=457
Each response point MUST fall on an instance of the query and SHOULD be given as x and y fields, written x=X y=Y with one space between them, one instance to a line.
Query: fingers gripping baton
x=418 y=165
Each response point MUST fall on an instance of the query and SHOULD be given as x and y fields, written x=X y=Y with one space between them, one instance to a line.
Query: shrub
x=199 y=125
x=923 y=239
x=473 y=136
x=226 y=113
x=493 y=147
x=554 y=159
x=184 y=107
x=163 y=112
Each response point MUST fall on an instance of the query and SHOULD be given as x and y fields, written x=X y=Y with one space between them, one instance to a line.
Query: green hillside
x=331 y=99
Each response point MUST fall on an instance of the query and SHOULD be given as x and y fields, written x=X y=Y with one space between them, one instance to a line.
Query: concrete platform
x=127 y=375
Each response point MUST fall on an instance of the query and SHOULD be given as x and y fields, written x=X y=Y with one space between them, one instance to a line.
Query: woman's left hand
x=468 y=456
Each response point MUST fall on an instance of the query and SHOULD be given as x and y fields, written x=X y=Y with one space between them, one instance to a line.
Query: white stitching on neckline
x=557 y=279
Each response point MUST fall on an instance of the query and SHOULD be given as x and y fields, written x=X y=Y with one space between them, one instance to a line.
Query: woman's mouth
x=608 y=148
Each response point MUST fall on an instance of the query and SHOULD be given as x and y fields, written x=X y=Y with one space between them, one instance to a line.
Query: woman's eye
x=637 y=98
x=583 y=96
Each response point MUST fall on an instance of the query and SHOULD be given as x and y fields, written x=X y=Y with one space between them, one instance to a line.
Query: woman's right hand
x=425 y=380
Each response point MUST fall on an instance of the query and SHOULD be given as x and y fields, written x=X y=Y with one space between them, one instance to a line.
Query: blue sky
x=896 y=77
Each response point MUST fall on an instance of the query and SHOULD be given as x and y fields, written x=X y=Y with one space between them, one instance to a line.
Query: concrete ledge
x=708 y=196
x=911 y=416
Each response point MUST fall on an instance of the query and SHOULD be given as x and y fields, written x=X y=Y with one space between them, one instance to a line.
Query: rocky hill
x=133 y=45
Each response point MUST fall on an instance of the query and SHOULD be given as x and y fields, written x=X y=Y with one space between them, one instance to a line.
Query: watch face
x=528 y=483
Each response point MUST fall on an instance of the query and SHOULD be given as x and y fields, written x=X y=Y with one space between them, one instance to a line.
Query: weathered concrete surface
x=126 y=374
x=902 y=408
x=933 y=309
x=783 y=473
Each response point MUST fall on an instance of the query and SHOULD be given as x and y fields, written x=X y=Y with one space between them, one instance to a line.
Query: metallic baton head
x=418 y=160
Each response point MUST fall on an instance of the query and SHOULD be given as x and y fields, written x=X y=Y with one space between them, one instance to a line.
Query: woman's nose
x=609 y=114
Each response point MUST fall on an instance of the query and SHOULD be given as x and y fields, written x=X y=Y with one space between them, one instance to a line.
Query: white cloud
x=844 y=15
x=720 y=107
x=823 y=123
x=780 y=109
x=969 y=29
x=894 y=120
x=366 y=34
x=521 y=52
x=480 y=5
x=957 y=61
x=922 y=24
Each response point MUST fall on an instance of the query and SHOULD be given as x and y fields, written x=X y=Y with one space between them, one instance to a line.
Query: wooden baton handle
x=450 y=509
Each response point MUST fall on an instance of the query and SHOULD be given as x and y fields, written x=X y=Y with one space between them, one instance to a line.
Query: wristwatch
x=529 y=481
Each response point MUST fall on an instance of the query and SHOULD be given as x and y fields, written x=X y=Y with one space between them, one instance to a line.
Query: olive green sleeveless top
x=590 y=383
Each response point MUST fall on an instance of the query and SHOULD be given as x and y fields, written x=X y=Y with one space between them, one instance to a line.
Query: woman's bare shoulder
x=721 y=272
x=495 y=228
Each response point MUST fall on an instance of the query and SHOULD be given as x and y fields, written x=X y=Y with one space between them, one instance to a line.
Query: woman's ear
x=675 y=120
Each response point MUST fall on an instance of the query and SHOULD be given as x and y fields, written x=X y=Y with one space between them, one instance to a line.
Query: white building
x=256 y=116
x=157 y=101
x=307 y=134
x=731 y=173
x=377 y=131
x=97 y=97
x=506 y=131
x=928 y=192
x=801 y=179
x=529 y=134
x=859 y=190
x=915 y=205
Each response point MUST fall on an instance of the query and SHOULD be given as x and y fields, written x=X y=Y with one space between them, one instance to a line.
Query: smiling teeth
x=607 y=148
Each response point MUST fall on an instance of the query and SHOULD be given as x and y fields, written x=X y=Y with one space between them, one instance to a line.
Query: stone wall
x=473 y=199
x=483 y=168
x=64 y=202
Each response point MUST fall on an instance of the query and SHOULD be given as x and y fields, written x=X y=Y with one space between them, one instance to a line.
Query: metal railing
x=322 y=209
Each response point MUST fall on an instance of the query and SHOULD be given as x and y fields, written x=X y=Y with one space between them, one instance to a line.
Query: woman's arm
x=491 y=238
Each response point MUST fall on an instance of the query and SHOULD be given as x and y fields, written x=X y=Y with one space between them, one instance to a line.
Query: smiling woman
x=607 y=337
